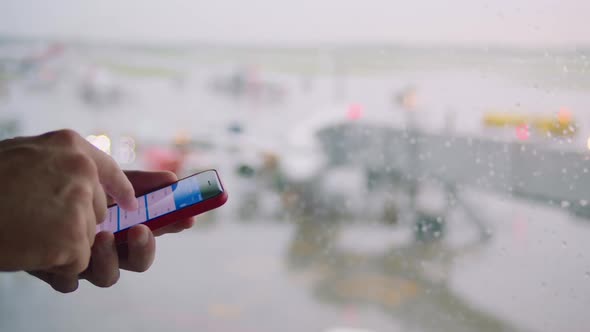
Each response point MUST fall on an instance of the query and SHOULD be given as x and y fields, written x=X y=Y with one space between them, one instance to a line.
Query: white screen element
x=155 y=204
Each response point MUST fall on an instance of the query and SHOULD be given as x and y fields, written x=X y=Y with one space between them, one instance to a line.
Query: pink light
x=520 y=228
x=522 y=132
x=355 y=112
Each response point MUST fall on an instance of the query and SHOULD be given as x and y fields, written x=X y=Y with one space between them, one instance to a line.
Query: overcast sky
x=521 y=22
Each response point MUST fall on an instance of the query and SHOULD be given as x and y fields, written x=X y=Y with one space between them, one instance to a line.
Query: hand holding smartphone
x=185 y=198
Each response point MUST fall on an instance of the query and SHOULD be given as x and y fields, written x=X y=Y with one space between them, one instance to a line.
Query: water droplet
x=565 y=204
x=583 y=202
x=564 y=244
x=587 y=274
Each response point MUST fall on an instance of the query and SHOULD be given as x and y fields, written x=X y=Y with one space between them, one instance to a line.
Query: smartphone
x=162 y=206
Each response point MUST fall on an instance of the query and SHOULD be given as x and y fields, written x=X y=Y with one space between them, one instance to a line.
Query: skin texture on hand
x=54 y=187
x=136 y=255
x=57 y=186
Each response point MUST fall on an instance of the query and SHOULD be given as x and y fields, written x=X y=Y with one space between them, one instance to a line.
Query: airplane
x=248 y=83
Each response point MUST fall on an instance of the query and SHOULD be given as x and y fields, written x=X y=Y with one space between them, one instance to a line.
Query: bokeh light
x=355 y=112
x=101 y=142
x=523 y=132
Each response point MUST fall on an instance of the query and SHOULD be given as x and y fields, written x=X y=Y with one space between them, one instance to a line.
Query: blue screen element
x=186 y=192
x=153 y=205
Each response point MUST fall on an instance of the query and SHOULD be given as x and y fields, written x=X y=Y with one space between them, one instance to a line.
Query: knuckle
x=70 y=249
x=79 y=163
x=101 y=213
x=64 y=137
x=55 y=256
x=82 y=193
x=75 y=226
x=82 y=258
x=91 y=237
x=80 y=264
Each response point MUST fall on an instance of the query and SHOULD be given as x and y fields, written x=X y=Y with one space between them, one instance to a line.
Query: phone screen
x=186 y=192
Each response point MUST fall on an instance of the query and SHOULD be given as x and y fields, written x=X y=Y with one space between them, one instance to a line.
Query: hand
x=54 y=187
x=136 y=255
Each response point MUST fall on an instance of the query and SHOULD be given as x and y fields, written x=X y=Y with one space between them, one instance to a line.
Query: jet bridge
x=522 y=169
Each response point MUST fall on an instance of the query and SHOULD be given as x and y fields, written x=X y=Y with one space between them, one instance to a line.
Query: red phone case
x=187 y=212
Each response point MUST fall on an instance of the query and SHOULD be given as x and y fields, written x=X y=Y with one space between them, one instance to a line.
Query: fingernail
x=129 y=205
x=133 y=204
x=64 y=284
x=143 y=238
x=108 y=245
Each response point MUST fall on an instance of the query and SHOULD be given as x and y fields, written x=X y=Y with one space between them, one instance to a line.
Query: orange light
x=564 y=115
x=182 y=138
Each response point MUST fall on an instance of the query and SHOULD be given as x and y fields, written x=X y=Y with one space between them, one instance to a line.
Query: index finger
x=112 y=178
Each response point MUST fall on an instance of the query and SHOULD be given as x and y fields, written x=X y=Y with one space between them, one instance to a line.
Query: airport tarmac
x=299 y=273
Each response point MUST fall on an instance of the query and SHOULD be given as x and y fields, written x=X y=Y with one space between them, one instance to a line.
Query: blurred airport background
x=391 y=165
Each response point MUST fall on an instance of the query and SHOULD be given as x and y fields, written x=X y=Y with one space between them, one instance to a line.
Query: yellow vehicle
x=561 y=124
